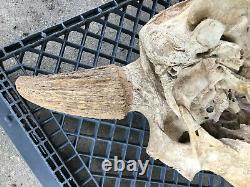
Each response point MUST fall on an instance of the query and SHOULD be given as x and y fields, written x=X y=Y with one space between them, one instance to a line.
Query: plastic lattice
x=74 y=147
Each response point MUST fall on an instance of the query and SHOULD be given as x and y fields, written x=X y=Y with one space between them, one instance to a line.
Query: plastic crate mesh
x=75 y=147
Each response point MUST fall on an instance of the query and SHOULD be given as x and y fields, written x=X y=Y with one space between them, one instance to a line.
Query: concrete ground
x=19 y=18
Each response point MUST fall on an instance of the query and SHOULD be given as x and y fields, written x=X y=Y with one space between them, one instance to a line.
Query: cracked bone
x=193 y=67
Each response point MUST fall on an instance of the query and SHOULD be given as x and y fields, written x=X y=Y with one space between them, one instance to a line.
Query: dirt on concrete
x=14 y=171
x=19 y=18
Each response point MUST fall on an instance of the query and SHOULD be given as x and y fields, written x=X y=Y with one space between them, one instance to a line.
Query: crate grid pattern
x=75 y=147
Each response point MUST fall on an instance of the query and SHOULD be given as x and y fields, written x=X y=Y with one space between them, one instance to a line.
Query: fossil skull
x=192 y=71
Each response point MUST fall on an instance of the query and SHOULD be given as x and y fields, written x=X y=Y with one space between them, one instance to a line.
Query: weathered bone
x=101 y=92
x=193 y=67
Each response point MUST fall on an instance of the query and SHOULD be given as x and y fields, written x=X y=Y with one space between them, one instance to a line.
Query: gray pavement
x=18 y=18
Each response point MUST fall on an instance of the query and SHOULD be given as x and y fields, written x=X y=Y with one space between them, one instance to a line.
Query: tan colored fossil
x=191 y=77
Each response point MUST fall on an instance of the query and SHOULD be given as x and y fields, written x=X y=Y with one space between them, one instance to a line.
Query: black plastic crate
x=64 y=150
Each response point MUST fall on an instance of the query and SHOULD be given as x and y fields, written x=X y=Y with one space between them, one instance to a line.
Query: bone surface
x=191 y=82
